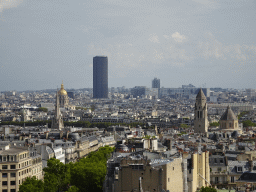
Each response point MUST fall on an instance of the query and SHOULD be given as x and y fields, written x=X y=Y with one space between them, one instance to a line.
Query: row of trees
x=86 y=175
x=84 y=124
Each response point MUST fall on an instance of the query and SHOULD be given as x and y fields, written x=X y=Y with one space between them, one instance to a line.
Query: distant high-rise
x=156 y=83
x=100 y=77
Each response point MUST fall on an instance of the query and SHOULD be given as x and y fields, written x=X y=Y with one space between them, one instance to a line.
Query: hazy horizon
x=195 y=42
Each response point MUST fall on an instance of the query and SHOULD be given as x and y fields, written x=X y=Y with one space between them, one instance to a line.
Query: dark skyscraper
x=156 y=83
x=100 y=77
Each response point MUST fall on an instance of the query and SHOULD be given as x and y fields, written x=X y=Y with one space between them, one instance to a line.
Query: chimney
x=61 y=134
x=46 y=135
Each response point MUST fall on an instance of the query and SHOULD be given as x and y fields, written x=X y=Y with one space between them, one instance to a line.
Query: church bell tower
x=201 y=120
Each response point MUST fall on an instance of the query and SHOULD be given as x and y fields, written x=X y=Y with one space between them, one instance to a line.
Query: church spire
x=57 y=122
x=201 y=117
x=200 y=94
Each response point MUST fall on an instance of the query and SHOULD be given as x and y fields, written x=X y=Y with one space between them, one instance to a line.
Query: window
x=216 y=180
x=219 y=169
x=138 y=167
x=215 y=160
x=239 y=169
x=13 y=190
x=173 y=168
x=4 y=166
x=4 y=190
x=168 y=179
x=13 y=174
x=4 y=182
x=221 y=160
x=13 y=166
x=4 y=158
x=13 y=182
x=232 y=179
x=4 y=175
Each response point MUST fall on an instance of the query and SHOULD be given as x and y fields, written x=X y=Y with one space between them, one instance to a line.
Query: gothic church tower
x=201 y=120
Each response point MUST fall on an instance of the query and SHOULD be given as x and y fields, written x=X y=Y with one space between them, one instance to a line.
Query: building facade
x=16 y=165
x=100 y=77
x=139 y=174
x=156 y=83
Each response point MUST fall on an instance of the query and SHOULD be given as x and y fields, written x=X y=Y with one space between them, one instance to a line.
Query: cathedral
x=201 y=118
x=63 y=97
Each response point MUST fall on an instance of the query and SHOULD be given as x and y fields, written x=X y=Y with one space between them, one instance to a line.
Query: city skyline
x=200 y=42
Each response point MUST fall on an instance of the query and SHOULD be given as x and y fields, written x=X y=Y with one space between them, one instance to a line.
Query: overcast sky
x=43 y=42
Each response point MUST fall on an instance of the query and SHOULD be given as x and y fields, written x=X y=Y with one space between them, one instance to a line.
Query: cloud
x=128 y=55
x=7 y=4
x=154 y=38
x=178 y=37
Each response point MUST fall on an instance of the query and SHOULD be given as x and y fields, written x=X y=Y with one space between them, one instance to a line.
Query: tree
x=42 y=109
x=183 y=125
x=207 y=189
x=32 y=185
x=242 y=114
x=89 y=173
x=73 y=189
x=57 y=175
x=248 y=123
x=214 y=124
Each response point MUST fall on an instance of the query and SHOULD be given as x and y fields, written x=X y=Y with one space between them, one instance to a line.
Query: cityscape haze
x=114 y=127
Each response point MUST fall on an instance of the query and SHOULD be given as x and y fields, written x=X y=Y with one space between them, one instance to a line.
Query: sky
x=207 y=43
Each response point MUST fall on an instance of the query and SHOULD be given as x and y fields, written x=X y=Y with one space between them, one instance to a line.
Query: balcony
x=218 y=173
x=219 y=182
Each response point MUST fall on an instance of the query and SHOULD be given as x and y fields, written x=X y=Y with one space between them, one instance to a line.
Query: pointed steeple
x=200 y=94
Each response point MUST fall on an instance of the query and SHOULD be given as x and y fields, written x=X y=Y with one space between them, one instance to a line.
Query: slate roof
x=228 y=115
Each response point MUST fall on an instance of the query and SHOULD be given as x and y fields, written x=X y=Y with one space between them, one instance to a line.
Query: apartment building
x=16 y=164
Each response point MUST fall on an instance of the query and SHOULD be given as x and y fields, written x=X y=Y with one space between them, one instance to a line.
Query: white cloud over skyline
x=7 y=4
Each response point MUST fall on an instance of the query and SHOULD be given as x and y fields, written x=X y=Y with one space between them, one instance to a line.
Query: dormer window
x=239 y=169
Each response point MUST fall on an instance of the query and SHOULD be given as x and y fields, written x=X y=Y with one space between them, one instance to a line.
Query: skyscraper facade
x=156 y=83
x=100 y=77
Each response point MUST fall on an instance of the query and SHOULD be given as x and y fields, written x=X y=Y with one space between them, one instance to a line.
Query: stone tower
x=57 y=121
x=201 y=120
